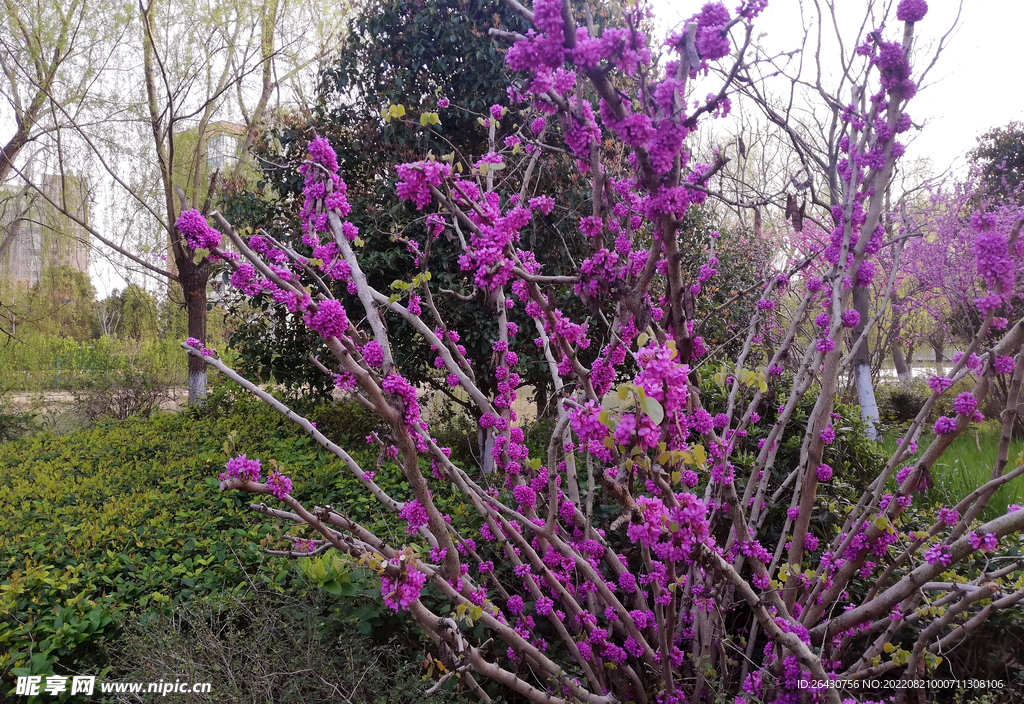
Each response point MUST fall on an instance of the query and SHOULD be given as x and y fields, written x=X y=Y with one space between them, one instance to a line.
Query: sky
x=974 y=86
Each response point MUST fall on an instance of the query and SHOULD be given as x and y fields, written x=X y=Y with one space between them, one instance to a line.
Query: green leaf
x=653 y=410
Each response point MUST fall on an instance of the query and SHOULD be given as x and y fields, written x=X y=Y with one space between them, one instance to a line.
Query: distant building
x=218 y=149
x=34 y=234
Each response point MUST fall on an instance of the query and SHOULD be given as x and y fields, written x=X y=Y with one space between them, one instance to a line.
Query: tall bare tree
x=178 y=76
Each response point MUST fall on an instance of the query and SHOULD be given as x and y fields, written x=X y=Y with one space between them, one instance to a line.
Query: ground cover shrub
x=120 y=524
x=273 y=647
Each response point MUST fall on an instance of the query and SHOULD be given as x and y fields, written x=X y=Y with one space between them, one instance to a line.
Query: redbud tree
x=630 y=560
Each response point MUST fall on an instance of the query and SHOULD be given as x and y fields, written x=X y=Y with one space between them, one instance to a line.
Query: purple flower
x=965 y=403
x=945 y=425
x=525 y=496
x=198 y=233
x=992 y=255
x=810 y=543
x=591 y=226
x=911 y=10
x=443 y=103
x=415 y=515
x=399 y=594
x=321 y=152
x=373 y=354
x=851 y=318
x=241 y=467
x=828 y=435
x=938 y=553
x=515 y=604
x=245 y=279
x=793 y=512
x=330 y=320
x=824 y=472
x=949 y=516
x=194 y=343
x=1003 y=365
x=280 y=485
x=710 y=22
x=826 y=344
x=938 y=384
x=988 y=543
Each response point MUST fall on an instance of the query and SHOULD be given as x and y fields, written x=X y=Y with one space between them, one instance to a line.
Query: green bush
x=273 y=647
x=125 y=519
x=347 y=419
x=115 y=533
x=14 y=425
x=900 y=402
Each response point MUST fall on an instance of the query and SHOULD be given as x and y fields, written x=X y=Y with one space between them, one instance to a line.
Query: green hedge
x=123 y=524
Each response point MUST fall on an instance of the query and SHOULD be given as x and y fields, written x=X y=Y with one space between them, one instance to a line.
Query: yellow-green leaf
x=653 y=409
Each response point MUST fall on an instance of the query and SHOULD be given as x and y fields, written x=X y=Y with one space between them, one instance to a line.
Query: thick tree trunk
x=540 y=397
x=193 y=286
x=940 y=345
x=900 y=363
x=862 y=366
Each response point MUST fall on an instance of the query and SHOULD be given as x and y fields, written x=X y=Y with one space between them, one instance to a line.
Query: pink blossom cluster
x=985 y=543
x=329 y=319
x=415 y=180
x=198 y=233
x=672 y=533
x=415 y=516
x=399 y=593
x=241 y=467
x=196 y=344
x=280 y=484
x=324 y=192
x=911 y=10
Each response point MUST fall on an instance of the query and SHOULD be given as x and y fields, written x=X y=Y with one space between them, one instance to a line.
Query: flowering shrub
x=639 y=602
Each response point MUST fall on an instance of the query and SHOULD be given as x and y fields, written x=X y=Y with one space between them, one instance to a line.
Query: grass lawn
x=967 y=464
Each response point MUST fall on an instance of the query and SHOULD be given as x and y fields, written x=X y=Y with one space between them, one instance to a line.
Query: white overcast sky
x=975 y=86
